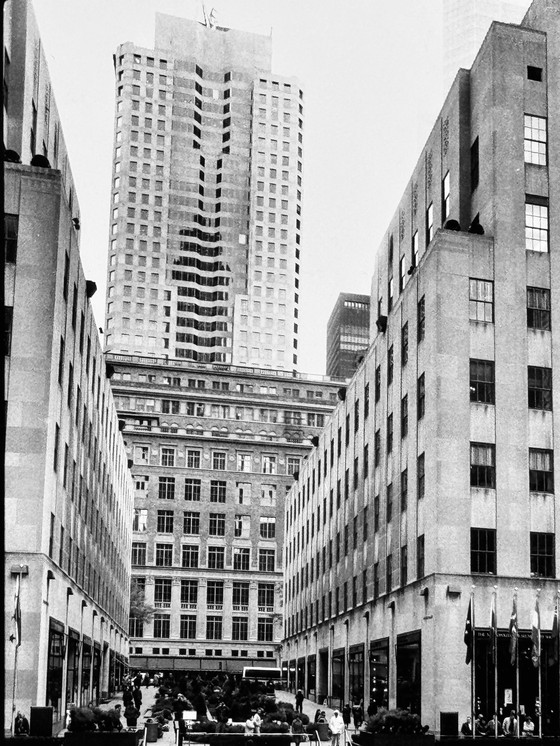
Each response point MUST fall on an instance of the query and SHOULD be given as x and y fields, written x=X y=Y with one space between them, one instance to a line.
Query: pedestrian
x=249 y=726
x=257 y=720
x=372 y=708
x=466 y=729
x=137 y=696
x=128 y=699
x=510 y=724
x=337 y=726
x=297 y=730
x=131 y=714
x=317 y=715
x=137 y=679
x=21 y=725
x=528 y=727
x=299 y=701
x=346 y=713
x=358 y=715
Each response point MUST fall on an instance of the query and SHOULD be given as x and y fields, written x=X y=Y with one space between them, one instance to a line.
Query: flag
x=468 y=637
x=513 y=632
x=536 y=635
x=16 y=635
x=494 y=630
x=555 y=633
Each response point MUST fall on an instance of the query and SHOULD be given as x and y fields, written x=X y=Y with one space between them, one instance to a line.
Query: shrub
x=82 y=719
x=394 y=721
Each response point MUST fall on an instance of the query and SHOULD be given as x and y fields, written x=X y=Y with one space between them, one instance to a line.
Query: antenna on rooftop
x=210 y=18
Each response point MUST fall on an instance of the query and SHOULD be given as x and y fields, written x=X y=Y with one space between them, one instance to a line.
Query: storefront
x=55 y=666
x=301 y=674
x=311 y=676
x=356 y=673
x=379 y=673
x=338 y=678
x=96 y=673
x=86 y=671
x=409 y=669
x=72 y=675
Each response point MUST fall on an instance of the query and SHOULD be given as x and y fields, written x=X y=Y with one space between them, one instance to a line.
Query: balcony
x=188 y=606
x=162 y=604
x=240 y=607
x=214 y=607
x=266 y=609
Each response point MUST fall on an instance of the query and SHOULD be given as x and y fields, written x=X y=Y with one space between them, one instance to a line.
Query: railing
x=189 y=606
x=162 y=604
x=214 y=607
x=266 y=609
x=238 y=607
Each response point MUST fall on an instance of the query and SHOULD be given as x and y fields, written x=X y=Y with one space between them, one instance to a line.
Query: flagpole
x=473 y=667
x=557 y=657
x=516 y=671
x=539 y=667
x=14 y=688
x=495 y=656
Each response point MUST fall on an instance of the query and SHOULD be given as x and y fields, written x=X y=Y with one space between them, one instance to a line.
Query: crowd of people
x=511 y=726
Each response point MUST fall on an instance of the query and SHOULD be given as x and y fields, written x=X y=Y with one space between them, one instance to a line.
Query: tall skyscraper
x=206 y=200
x=439 y=464
x=347 y=334
x=68 y=502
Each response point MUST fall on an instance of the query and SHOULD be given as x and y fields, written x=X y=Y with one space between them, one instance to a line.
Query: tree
x=139 y=609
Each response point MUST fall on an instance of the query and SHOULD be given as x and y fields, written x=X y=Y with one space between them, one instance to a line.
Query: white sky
x=371 y=75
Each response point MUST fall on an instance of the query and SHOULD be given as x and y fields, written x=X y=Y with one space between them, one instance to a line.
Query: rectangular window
x=187 y=628
x=376 y=504
x=214 y=628
x=240 y=597
x=536 y=224
x=219 y=460
x=166 y=488
x=421 y=397
x=542 y=555
x=165 y=521
x=390 y=365
x=215 y=593
x=404 y=344
x=217 y=524
x=377 y=383
x=264 y=629
x=241 y=558
x=138 y=553
x=162 y=592
x=191 y=523
x=538 y=308
x=404 y=416
x=266 y=560
x=404 y=565
x=534 y=134
x=140 y=520
x=189 y=592
x=540 y=388
x=421 y=319
x=161 y=626
x=268 y=527
x=474 y=165
x=167 y=456
x=192 y=489
x=244 y=462
x=389 y=433
x=216 y=558
x=189 y=556
x=483 y=550
x=239 y=628
x=483 y=469
x=421 y=475
x=481 y=300
x=429 y=223
x=164 y=555
x=11 y=227
x=482 y=387
x=217 y=491
x=193 y=459
x=541 y=470
x=420 y=557
x=445 y=194
x=402 y=273
x=389 y=506
x=404 y=489
x=389 y=573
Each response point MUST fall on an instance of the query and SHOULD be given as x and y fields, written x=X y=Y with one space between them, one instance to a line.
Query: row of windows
x=214 y=628
x=166 y=521
x=214 y=592
x=216 y=494
x=482 y=384
x=483 y=468
x=190 y=556
x=208 y=652
x=218 y=460
x=484 y=555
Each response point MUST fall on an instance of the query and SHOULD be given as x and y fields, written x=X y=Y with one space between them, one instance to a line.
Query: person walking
x=337 y=727
x=299 y=701
x=358 y=715
x=131 y=715
x=137 y=696
x=346 y=714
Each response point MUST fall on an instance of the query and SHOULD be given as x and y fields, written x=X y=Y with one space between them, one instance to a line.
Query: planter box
x=103 y=738
x=388 y=739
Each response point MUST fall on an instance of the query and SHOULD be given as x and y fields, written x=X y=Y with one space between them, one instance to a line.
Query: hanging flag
x=536 y=635
x=555 y=633
x=468 y=637
x=16 y=635
x=513 y=632
x=494 y=630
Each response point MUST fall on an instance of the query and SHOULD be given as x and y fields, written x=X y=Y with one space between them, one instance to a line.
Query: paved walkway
x=148 y=699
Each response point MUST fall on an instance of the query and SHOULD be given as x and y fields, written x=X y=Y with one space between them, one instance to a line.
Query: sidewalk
x=148 y=699
x=309 y=707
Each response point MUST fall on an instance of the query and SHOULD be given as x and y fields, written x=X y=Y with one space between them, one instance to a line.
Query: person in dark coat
x=128 y=699
x=299 y=701
x=21 y=725
x=358 y=715
x=137 y=696
x=131 y=714
x=346 y=714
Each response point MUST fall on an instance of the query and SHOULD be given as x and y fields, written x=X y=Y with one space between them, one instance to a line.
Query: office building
x=347 y=334
x=215 y=448
x=436 y=472
x=205 y=226
x=68 y=502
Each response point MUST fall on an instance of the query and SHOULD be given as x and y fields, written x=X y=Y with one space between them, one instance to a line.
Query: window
x=536 y=224
x=390 y=366
x=542 y=555
x=541 y=470
x=429 y=223
x=264 y=629
x=191 y=522
x=534 y=73
x=215 y=592
x=244 y=462
x=217 y=491
x=445 y=194
x=421 y=476
x=421 y=397
x=538 y=308
x=266 y=560
x=474 y=165
x=377 y=448
x=481 y=300
x=292 y=464
x=241 y=558
x=164 y=555
x=404 y=416
x=192 y=489
x=402 y=273
x=404 y=565
x=389 y=506
x=483 y=550
x=138 y=553
x=214 y=628
x=389 y=573
x=161 y=625
x=240 y=597
x=140 y=520
x=189 y=591
x=534 y=133
x=189 y=556
x=167 y=456
x=421 y=319
x=420 y=556
x=216 y=558
x=268 y=527
x=404 y=489
x=377 y=383
x=219 y=460
x=162 y=592
x=269 y=464
x=266 y=596
x=483 y=470
x=187 y=628
x=193 y=459
x=165 y=521
x=540 y=388
x=166 y=488
x=404 y=344
x=240 y=628
x=389 y=433
x=482 y=381
x=11 y=225
x=217 y=524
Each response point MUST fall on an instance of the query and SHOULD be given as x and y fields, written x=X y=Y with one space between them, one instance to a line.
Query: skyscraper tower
x=206 y=200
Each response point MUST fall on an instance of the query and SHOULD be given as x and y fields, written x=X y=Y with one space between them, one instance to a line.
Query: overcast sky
x=371 y=72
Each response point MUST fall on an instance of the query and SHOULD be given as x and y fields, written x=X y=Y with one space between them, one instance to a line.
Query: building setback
x=347 y=334
x=436 y=473
x=68 y=494
x=215 y=449
x=205 y=226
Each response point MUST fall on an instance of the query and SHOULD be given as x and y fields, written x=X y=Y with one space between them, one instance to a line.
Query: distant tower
x=466 y=23
x=347 y=334
x=206 y=200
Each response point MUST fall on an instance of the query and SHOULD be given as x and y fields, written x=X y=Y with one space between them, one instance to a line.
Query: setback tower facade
x=205 y=225
x=347 y=334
